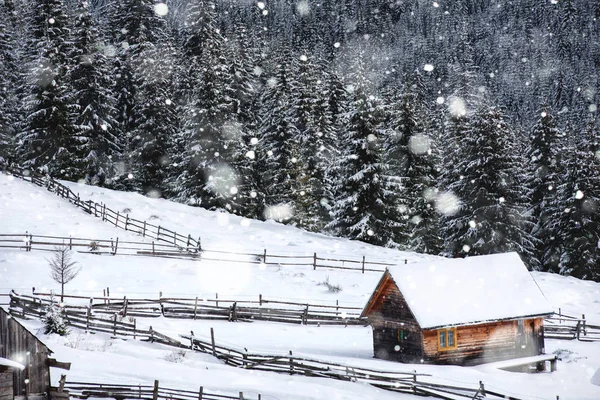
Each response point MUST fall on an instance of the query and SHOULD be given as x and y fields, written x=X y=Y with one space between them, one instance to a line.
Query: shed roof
x=4 y=362
x=465 y=291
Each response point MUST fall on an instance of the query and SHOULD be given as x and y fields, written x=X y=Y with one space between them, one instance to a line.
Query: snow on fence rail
x=85 y=390
x=404 y=382
x=561 y=326
x=99 y=210
x=188 y=243
x=29 y=242
x=197 y=308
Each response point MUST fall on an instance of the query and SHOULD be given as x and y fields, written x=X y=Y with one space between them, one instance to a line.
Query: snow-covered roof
x=462 y=291
x=5 y=362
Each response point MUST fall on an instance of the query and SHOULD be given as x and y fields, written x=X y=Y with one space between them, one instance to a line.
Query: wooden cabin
x=458 y=311
x=19 y=346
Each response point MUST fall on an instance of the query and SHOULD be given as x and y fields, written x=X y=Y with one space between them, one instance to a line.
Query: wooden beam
x=57 y=364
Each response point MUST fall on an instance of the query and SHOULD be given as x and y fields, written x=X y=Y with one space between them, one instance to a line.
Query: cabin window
x=400 y=334
x=447 y=339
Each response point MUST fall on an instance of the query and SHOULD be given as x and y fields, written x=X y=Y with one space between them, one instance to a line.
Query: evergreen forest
x=456 y=127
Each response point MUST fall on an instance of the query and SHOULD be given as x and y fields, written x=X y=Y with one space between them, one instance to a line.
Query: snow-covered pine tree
x=278 y=149
x=315 y=140
x=544 y=158
x=365 y=206
x=9 y=79
x=211 y=130
x=413 y=159
x=492 y=218
x=47 y=141
x=94 y=123
x=147 y=114
x=241 y=54
x=579 y=223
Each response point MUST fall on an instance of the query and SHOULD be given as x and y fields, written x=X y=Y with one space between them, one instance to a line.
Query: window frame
x=444 y=333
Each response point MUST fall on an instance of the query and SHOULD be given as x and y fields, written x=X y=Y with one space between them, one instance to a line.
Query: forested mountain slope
x=452 y=127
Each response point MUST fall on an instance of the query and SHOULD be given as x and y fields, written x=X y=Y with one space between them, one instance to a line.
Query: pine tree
x=579 y=223
x=546 y=170
x=278 y=149
x=365 y=205
x=147 y=116
x=492 y=217
x=94 y=121
x=47 y=141
x=211 y=131
x=9 y=80
x=413 y=160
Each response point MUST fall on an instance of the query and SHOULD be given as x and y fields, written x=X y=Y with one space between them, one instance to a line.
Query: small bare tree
x=62 y=269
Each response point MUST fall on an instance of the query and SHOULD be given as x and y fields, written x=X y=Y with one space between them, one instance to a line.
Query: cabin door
x=527 y=341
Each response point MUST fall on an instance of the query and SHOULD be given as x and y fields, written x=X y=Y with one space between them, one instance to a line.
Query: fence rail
x=116 y=218
x=567 y=327
x=187 y=243
x=85 y=390
x=194 y=308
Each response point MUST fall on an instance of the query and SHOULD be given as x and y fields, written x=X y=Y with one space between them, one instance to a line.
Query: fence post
x=265 y=256
x=116 y=246
x=70 y=242
x=155 y=391
x=415 y=375
x=363 y=265
x=201 y=393
x=482 y=388
x=195 y=307
x=584 y=328
x=95 y=209
x=103 y=212
x=291 y=364
x=134 y=329
x=189 y=240
x=260 y=299
x=126 y=221
x=117 y=220
x=217 y=299
x=175 y=238
x=151 y=334
x=115 y=324
x=158 y=233
x=578 y=328
x=199 y=245
x=153 y=248
x=241 y=395
x=89 y=312
x=125 y=303
x=559 y=316
x=212 y=341
x=61 y=384
x=144 y=230
x=315 y=261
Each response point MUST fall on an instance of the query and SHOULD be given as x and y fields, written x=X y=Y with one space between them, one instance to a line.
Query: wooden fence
x=404 y=382
x=116 y=218
x=232 y=310
x=84 y=390
x=566 y=327
x=186 y=242
x=29 y=242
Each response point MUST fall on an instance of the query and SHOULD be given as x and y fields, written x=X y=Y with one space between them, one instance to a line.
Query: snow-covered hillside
x=25 y=207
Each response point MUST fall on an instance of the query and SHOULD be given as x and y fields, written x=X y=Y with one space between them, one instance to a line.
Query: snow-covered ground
x=25 y=207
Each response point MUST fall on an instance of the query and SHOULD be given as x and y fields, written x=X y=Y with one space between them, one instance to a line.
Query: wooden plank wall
x=6 y=385
x=476 y=344
x=15 y=343
x=396 y=332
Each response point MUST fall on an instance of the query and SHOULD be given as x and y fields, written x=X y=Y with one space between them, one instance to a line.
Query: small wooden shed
x=20 y=346
x=458 y=311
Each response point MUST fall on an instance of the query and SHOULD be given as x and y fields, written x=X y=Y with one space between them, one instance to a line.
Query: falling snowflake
x=161 y=9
